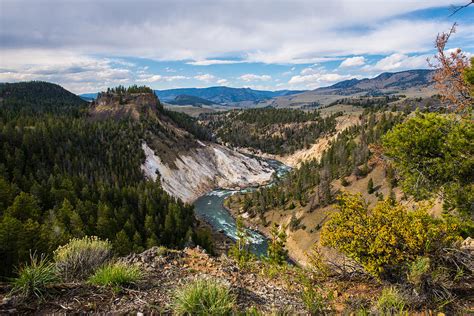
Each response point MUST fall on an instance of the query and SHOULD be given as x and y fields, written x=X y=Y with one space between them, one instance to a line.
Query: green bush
x=34 y=278
x=116 y=274
x=390 y=302
x=204 y=297
x=79 y=258
x=434 y=152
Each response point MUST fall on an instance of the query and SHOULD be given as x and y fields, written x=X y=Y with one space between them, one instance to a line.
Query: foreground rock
x=165 y=270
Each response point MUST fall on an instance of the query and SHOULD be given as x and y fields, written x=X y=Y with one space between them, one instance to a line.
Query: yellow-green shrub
x=387 y=237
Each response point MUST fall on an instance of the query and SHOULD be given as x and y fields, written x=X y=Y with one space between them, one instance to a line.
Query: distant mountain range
x=215 y=95
x=385 y=83
x=412 y=83
x=88 y=96
x=223 y=95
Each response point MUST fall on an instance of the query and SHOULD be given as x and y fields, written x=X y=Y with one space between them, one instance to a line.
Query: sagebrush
x=81 y=257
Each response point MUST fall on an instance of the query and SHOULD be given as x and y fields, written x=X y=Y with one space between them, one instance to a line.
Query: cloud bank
x=87 y=44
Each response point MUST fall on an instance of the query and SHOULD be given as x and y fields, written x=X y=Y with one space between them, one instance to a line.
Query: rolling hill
x=38 y=96
x=184 y=99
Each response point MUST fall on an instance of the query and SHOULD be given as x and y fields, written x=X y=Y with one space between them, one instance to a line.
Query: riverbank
x=221 y=243
x=263 y=230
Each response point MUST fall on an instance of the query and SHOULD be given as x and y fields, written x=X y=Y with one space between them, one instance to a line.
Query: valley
x=254 y=187
x=237 y=158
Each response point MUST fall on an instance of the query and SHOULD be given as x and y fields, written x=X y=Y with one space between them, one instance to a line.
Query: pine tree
x=240 y=250
x=122 y=244
x=24 y=206
x=277 y=254
x=370 y=186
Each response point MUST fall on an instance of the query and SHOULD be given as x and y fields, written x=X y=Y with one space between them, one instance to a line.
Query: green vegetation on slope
x=311 y=182
x=190 y=124
x=274 y=131
x=204 y=297
x=28 y=98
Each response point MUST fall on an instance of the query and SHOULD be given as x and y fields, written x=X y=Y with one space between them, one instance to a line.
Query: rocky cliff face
x=202 y=169
x=109 y=105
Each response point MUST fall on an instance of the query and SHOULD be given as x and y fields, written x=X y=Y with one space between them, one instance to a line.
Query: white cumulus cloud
x=157 y=78
x=395 y=62
x=223 y=82
x=353 y=62
x=254 y=77
x=205 y=77
x=209 y=62
x=317 y=78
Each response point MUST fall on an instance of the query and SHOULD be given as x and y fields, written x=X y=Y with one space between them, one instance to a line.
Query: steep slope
x=269 y=130
x=67 y=172
x=304 y=200
x=199 y=170
x=187 y=167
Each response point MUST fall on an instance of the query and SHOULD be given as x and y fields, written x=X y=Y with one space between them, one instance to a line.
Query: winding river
x=210 y=208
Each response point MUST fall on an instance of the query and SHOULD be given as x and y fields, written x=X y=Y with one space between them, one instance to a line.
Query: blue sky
x=87 y=46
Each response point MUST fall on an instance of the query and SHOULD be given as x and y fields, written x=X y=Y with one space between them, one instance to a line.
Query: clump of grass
x=252 y=311
x=79 y=258
x=116 y=275
x=391 y=302
x=315 y=302
x=34 y=278
x=418 y=270
x=357 y=306
x=204 y=297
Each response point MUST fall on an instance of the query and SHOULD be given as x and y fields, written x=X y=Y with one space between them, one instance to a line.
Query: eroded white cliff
x=205 y=168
